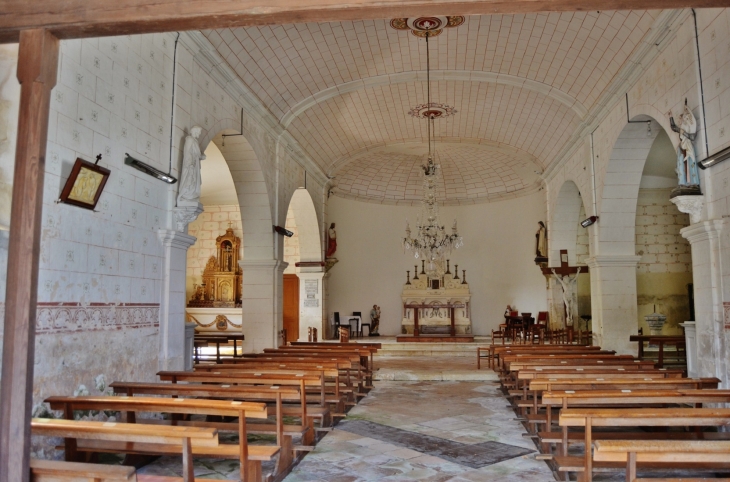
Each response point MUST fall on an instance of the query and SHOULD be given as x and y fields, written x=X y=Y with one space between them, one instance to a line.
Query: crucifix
x=561 y=273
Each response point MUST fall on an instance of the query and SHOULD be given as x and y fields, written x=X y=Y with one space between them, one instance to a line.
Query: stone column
x=310 y=302
x=712 y=333
x=172 y=304
x=613 y=301
x=262 y=302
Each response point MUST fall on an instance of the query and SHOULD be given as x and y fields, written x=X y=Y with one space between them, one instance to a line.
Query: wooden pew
x=327 y=370
x=249 y=457
x=60 y=471
x=585 y=387
x=176 y=440
x=703 y=454
x=496 y=352
x=509 y=379
x=654 y=417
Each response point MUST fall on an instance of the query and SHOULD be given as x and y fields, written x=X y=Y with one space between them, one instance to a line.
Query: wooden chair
x=339 y=325
x=363 y=324
x=357 y=330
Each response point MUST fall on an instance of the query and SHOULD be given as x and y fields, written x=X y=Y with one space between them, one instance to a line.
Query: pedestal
x=690 y=337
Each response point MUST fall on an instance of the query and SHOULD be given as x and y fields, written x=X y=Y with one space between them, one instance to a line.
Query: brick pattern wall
x=658 y=242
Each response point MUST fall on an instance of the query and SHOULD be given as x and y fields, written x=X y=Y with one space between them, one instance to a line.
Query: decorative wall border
x=726 y=314
x=74 y=317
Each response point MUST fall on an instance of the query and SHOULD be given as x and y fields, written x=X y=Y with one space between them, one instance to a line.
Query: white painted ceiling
x=521 y=82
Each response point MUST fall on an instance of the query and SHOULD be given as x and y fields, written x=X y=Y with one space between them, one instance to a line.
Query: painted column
x=262 y=302
x=613 y=301
x=310 y=302
x=172 y=305
x=712 y=329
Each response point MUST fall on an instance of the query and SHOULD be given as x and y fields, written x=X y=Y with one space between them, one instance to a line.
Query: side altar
x=216 y=302
x=435 y=308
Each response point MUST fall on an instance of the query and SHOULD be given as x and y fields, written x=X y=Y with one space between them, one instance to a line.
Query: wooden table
x=658 y=339
x=201 y=338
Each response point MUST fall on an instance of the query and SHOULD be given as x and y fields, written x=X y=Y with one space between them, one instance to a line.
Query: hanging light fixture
x=431 y=243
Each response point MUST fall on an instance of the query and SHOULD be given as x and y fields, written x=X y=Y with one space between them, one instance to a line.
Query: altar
x=436 y=308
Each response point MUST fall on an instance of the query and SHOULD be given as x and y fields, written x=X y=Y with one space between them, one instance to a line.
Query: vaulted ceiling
x=520 y=85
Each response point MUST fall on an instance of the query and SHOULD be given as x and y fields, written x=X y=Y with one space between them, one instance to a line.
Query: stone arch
x=252 y=192
x=565 y=222
x=620 y=190
x=310 y=240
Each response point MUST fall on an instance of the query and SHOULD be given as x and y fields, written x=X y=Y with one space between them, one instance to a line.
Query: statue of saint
x=687 y=171
x=568 y=284
x=189 y=192
x=331 y=241
x=541 y=241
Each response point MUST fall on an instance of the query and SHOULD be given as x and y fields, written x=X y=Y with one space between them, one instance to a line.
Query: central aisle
x=427 y=431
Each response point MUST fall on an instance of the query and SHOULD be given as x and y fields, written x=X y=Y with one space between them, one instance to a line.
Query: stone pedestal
x=189 y=348
x=690 y=204
x=310 y=301
x=690 y=337
x=656 y=323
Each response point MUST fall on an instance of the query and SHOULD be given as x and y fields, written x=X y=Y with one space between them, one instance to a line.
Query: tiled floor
x=464 y=415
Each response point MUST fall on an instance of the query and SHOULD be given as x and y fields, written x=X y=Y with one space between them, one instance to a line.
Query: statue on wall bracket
x=541 y=251
x=687 y=169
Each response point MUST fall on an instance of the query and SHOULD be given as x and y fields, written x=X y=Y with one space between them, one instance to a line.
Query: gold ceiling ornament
x=426 y=26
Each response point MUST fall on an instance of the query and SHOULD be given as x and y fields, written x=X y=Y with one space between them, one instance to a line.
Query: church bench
x=330 y=390
x=625 y=398
x=514 y=362
x=614 y=418
x=500 y=351
x=247 y=455
x=174 y=440
x=365 y=353
x=341 y=384
x=60 y=471
x=539 y=387
x=328 y=370
x=348 y=364
x=700 y=454
x=232 y=378
x=510 y=379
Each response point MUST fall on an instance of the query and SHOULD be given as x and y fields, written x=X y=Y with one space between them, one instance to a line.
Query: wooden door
x=291 y=306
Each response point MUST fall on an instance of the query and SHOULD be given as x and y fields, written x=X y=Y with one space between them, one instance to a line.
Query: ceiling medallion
x=426 y=26
x=432 y=111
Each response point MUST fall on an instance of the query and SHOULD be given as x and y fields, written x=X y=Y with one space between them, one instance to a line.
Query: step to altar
x=429 y=368
x=435 y=339
x=391 y=348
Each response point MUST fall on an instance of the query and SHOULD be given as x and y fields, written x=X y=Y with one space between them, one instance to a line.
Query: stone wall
x=291 y=245
x=665 y=267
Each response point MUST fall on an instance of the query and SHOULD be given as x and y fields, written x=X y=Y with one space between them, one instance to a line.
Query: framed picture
x=85 y=184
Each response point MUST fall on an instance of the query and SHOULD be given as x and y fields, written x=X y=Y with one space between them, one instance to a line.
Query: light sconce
x=149 y=170
x=648 y=128
x=715 y=159
x=588 y=222
x=283 y=231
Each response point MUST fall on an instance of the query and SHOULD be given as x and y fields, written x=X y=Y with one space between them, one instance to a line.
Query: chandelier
x=431 y=243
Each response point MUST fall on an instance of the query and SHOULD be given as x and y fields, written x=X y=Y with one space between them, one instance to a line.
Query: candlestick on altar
x=423 y=266
x=448 y=270
x=415 y=272
x=408 y=277
x=463 y=275
x=456 y=271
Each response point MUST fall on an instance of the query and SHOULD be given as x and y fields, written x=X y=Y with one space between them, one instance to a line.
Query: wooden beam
x=37 y=67
x=99 y=18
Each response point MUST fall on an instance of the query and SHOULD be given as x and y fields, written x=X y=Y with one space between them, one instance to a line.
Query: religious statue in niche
x=687 y=169
x=568 y=283
x=331 y=241
x=541 y=252
x=221 y=286
x=189 y=193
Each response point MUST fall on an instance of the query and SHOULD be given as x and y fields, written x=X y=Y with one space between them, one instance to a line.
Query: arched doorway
x=567 y=234
x=302 y=291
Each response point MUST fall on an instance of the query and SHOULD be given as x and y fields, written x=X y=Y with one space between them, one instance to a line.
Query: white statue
x=687 y=170
x=189 y=192
x=567 y=283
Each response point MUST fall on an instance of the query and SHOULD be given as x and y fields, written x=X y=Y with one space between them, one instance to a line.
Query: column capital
x=176 y=239
x=613 y=261
x=703 y=231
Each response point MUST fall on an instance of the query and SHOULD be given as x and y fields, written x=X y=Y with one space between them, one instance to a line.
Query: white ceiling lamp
x=431 y=242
